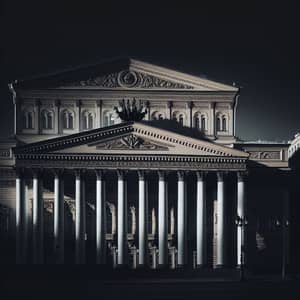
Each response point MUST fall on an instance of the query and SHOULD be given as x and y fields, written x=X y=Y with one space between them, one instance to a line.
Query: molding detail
x=130 y=79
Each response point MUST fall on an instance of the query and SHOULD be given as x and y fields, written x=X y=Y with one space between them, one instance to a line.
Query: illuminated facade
x=177 y=189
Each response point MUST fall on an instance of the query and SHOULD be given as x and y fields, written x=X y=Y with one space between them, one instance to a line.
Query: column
x=20 y=202
x=220 y=221
x=122 y=219
x=79 y=218
x=99 y=122
x=181 y=220
x=25 y=222
x=162 y=220
x=57 y=116
x=241 y=217
x=58 y=217
x=143 y=215
x=37 y=219
x=169 y=111
x=100 y=219
x=201 y=220
x=78 y=117
x=190 y=106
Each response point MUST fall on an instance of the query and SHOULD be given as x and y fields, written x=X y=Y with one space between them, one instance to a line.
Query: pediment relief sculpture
x=130 y=79
x=131 y=142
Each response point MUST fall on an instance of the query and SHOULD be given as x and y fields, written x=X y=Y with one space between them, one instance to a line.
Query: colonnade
x=122 y=251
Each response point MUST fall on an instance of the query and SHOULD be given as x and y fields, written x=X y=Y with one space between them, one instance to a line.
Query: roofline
x=138 y=65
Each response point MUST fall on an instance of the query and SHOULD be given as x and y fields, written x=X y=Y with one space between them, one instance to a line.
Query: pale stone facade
x=168 y=191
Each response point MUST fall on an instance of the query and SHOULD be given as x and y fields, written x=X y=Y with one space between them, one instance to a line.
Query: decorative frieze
x=264 y=155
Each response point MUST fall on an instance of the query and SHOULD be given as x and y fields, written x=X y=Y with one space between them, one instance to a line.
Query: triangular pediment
x=125 y=74
x=130 y=138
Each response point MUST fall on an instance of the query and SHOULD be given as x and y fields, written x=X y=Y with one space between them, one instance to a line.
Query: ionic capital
x=241 y=176
x=201 y=175
x=180 y=175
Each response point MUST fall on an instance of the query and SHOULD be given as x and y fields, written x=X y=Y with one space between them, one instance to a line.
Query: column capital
x=57 y=102
x=78 y=103
x=99 y=174
x=190 y=104
x=120 y=174
x=170 y=104
x=19 y=172
x=141 y=174
x=99 y=102
x=241 y=176
x=181 y=175
x=201 y=175
x=161 y=174
x=37 y=173
x=79 y=173
x=57 y=172
x=220 y=176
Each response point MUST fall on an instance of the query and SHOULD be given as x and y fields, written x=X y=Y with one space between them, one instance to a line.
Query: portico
x=112 y=154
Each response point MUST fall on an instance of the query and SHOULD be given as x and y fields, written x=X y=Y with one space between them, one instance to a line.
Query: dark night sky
x=254 y=45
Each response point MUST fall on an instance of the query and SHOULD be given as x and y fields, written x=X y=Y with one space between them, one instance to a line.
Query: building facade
x=177 y=189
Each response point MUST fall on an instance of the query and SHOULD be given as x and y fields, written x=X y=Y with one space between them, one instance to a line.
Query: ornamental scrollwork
x=130 y=142
x=265 y=155
x=130 y=79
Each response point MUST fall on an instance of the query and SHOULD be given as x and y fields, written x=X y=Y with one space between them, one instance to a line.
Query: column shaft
x=20 y=194
x=79 y=220
x=220 y=222
x=37 y=220
x=143 y=224
x=59 y=218
x=241 y=216
x=100 y=220
x=181 y=220
x=201 y=214
x=162 y=221
x=122 y=220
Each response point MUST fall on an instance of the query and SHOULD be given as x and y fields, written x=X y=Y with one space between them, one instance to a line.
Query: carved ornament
x=130 y=79
x=131 y=142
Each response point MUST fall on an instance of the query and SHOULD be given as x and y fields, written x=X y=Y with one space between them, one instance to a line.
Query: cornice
x=95 y=94
x=87 y=161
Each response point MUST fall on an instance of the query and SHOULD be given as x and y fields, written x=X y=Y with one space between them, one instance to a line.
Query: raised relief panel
x=265 y=155
x=130 y=79
x=131 y=142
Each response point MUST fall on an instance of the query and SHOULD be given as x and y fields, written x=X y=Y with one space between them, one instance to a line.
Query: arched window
x=224 y=124
x=203 y=123
x=28 y=120
x=47 y=119
x=109 y=119
x=157 y=115
x=88 y=120
x=68 y=120
x=218 y=124
x=197 y=121
x=179 y=117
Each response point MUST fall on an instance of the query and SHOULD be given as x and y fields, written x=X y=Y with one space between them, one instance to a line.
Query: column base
x=162 y=267
x=180 y=266
x=202 y=266
x=220 y=266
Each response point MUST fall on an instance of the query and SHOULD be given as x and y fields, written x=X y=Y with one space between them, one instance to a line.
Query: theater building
x=130 y=164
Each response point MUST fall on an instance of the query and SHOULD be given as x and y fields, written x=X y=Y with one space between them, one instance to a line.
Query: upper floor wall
x=76 y=101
